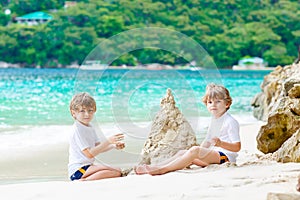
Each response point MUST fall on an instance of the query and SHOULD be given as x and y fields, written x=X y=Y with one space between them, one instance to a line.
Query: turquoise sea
x=41 y=96
x=32 y=99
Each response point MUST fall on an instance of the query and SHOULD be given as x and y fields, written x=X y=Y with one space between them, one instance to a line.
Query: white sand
x=251 y=178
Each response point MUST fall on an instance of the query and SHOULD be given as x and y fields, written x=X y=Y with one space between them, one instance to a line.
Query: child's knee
x=194 y=151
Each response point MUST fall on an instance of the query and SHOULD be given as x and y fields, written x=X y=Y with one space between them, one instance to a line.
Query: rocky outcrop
x=279 y=105
x=282 y=196
x=290 y=150
x=281 y=125
x=170 y=132
x=271 y=90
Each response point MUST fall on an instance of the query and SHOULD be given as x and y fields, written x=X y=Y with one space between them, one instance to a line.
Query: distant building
x=34 y=18
x=254 y=63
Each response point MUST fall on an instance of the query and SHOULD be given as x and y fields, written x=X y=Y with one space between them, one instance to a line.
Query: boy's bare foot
x=141 y=169
x=148 y=169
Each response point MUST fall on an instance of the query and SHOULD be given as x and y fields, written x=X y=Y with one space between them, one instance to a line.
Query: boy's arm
x=103 y=146
x=205 y=144
x=108 y=147
x=234 y=147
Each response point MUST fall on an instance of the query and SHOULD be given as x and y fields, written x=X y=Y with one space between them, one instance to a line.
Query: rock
x=271 y=89
x=259 y=111
x=290 y=150
x=278 y=105
x=282 y=196
x=280 y=127
x=170 y=132
x=294 y=92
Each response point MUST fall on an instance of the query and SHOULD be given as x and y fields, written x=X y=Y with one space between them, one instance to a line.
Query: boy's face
x=217 y=107
x=84 y=114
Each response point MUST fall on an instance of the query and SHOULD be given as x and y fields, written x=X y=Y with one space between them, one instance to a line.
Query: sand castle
x=170 y=132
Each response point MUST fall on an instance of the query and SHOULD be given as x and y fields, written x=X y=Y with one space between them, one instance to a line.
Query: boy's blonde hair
x=214 y=91
x=82 y=99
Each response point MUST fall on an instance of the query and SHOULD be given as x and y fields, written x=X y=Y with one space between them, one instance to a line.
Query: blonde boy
x=217 y=148
x=85 y=144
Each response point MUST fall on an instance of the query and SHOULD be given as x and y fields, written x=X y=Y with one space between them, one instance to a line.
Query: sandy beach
x=42 y=175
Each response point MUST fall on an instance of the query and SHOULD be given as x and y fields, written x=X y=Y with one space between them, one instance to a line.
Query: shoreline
x=152 y=66
x=37 y=157
x=252 y=177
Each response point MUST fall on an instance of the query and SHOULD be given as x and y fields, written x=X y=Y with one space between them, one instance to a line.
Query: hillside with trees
x=228 y=30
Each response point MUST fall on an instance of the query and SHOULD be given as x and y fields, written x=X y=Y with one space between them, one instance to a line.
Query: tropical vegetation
x=226 y=29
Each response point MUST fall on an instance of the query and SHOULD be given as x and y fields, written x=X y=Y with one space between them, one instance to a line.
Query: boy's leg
x=96 y=172
x=199 y=163
x=103 y=174
x=145 y=169
x=194 y=154
x=180 y=162
x=208 y=156
x=176 y=156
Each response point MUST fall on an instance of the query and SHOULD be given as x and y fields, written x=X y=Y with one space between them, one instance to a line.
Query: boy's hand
x=216 y=141
x=120 y=145
x=116 y=138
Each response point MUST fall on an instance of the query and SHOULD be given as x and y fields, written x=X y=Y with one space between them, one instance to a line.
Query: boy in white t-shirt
x=85 y=144
x=221 y=144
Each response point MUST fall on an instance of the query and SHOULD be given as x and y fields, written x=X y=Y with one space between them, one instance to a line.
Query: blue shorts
x=78 y=174
x=223 y=158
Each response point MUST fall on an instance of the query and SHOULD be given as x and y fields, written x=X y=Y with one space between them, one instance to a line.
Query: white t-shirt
x=227 y=129
x=81 y=137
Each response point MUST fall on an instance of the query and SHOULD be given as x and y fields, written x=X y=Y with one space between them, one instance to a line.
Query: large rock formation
x=170 y=132
x=290 y=150
x=282 y=196
x=279 y=105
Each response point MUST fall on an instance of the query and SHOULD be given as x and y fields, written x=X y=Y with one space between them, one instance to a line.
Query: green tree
x=8 y=45
x=277 y=55
x=27 y=53
x=22 y=7
x=77 y=44
x=107 y=26
x=4 y=18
